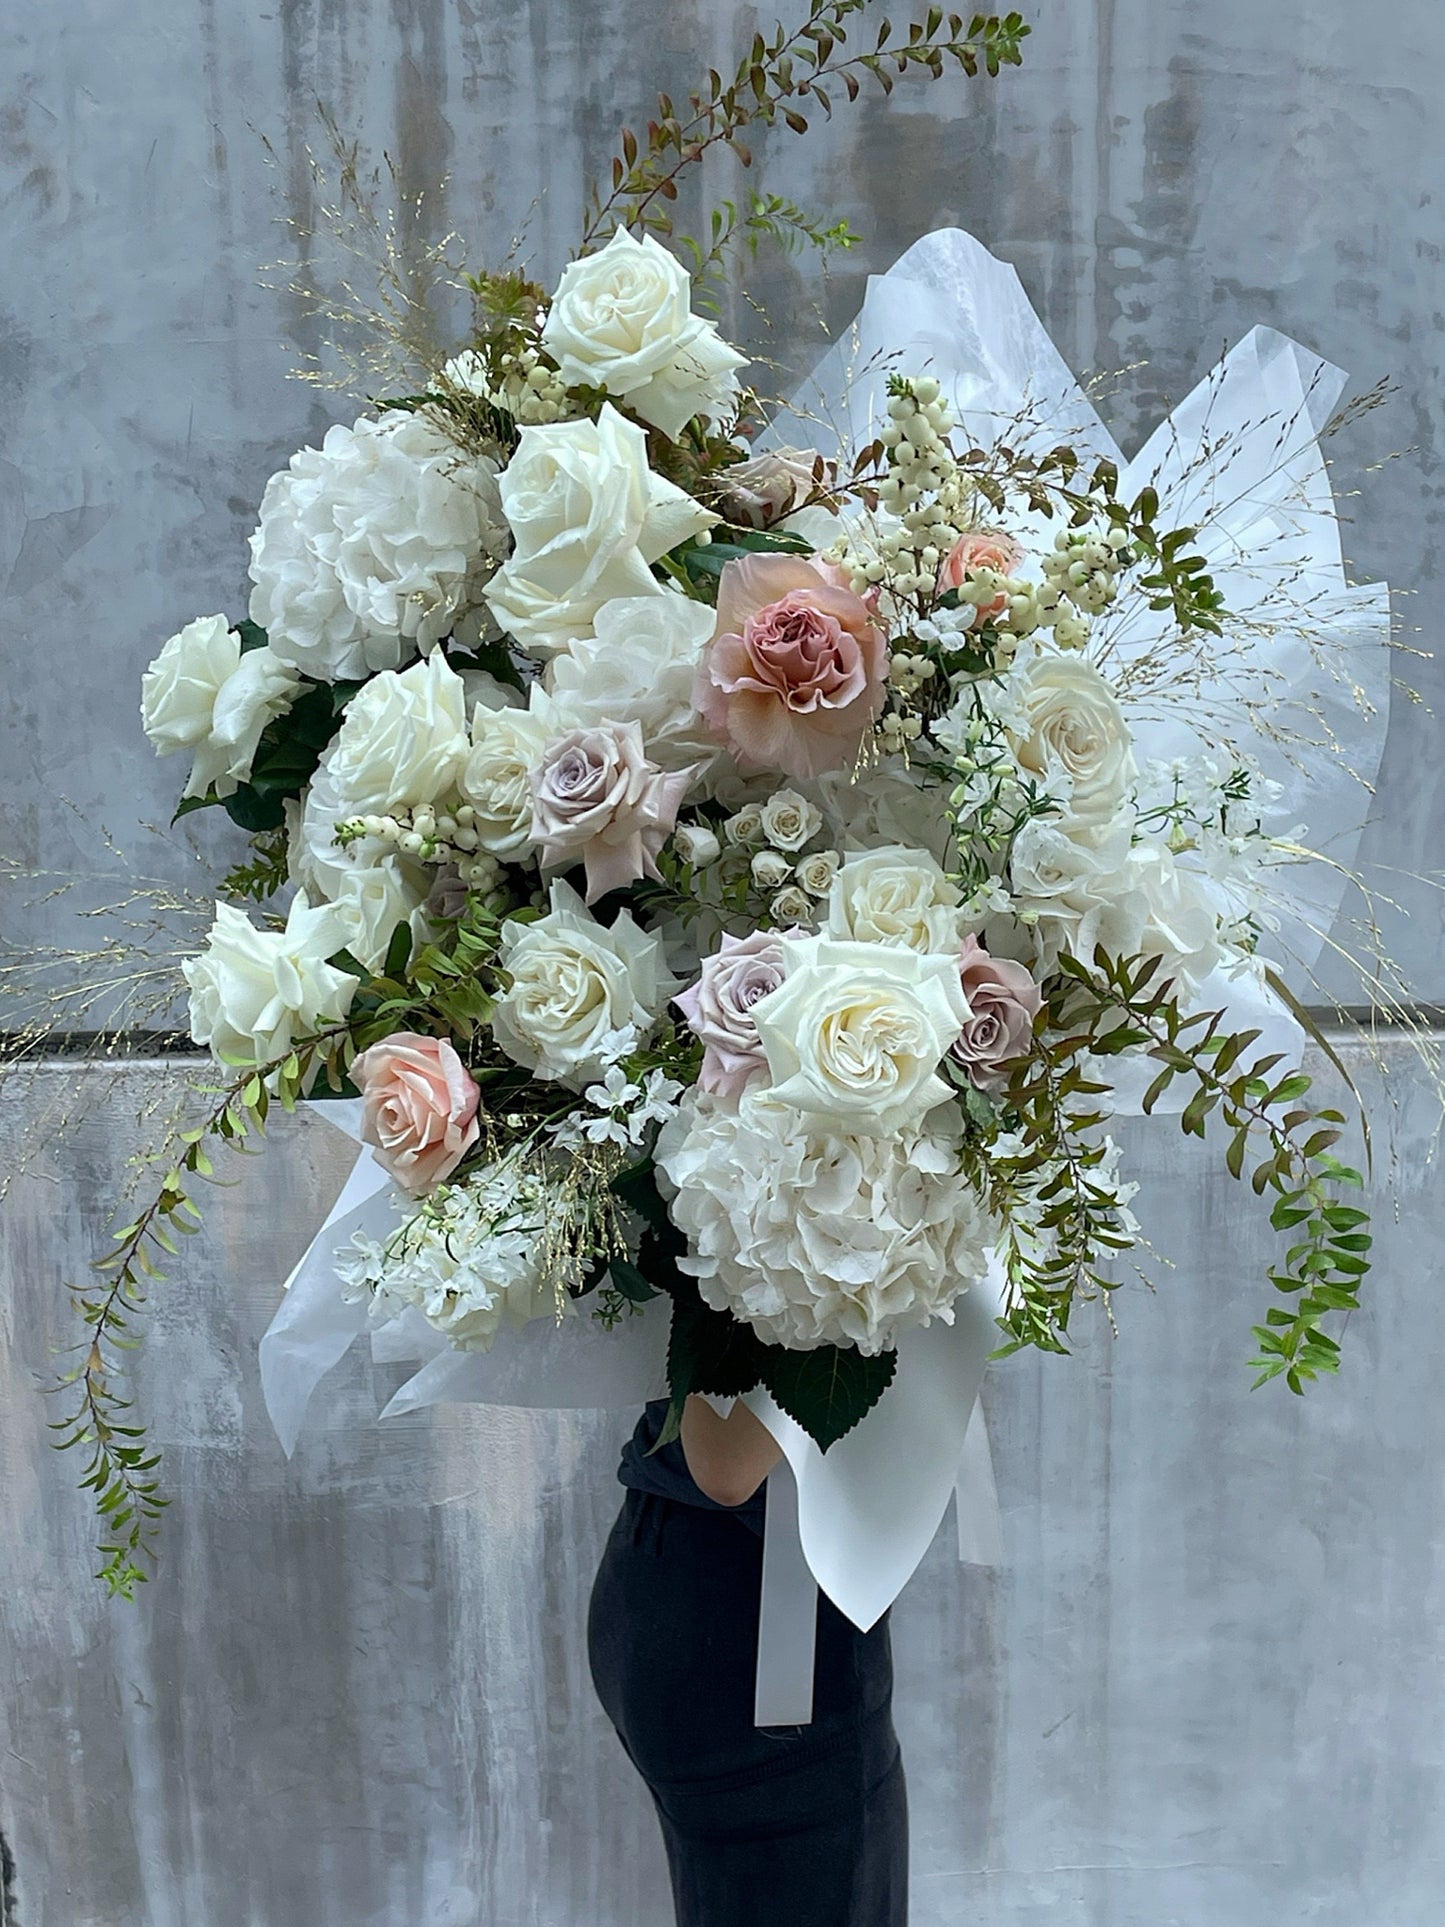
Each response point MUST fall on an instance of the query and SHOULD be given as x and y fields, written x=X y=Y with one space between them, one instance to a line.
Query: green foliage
x=263 y=875
x=779 y=81
x=1281 y=1143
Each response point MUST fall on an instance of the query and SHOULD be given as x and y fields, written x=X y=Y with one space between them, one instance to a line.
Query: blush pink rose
x=1003 y=1001
x=796 y=668
x=719 y=1009
x=419 y=1108
x=980 y=549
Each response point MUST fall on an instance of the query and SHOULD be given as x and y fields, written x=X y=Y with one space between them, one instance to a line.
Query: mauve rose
x=980 y=549
x=419 y=1108
x=719 y=1007
x=595 y=796
x=1003 y=1001
x=796 y=669
x=764 y=488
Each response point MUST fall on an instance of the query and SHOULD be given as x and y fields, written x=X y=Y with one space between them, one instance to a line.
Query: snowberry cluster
x=430 y=836
x=924 y=493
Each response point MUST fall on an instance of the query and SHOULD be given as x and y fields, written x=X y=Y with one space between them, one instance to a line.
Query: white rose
x=639 y=666
x=770 y=869
x=1068 y=724
x=696 y=844
x=855 y=1032
x=789 y=820
x=574 y=983
x=254 y=992
x=507 y=745
x=895 y=896
x=403 y=740
x=621 y=320
x=372 y=887
x=205 y=694
x=746 y=826
x=792 y=906
x=371 y=547
x=589 y=518
x=816 y=872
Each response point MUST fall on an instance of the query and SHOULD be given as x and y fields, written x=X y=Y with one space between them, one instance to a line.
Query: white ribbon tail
x=975 y=1499
x=787 y=1612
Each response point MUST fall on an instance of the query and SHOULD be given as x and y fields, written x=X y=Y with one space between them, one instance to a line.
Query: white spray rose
x=770 y=869
x=371 y=547
x=254 y=992
x=855 y=1033
x=575 y=983
x=1067 y=724
x=816 y=872
x=639 y=665
x=789 y=820
x=589 y=518
x=621 y=319
x=507 y=745
x=815 y=1237
x=697 y=844
x=895 y=896
x=403 y=741
x=205 y=694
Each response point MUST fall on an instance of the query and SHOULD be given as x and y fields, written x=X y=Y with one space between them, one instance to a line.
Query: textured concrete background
x=1164 y=173
x=1206 y=1690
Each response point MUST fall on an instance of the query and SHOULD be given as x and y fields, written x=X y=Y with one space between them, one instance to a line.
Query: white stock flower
x=589 y=518
x=895 y=896
x=855 y=1032
x=819 y=1238
x=403 y=739
x=621 y=320
x=790 y=820
x=507 y=745
x=639 y=666
x=205 y=694
x=370 y=547
x=1067 y=724
x=254 y=992
x=574 y=982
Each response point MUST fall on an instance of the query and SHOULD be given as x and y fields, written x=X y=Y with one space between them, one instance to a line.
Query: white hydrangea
x=476 y=1255
x=370 y=547
x=815 y=1238
x=639 y=664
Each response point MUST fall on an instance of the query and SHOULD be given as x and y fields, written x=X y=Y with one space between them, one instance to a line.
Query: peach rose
x=796 y=668
x=980 y=549
x=1003 y=1001
x=419 y=1108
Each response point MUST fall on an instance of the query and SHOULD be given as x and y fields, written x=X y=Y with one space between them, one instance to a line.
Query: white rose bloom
x=790 y=820
x=254 y=992
x=589 y=518
x=1067 y=724
x=770 y=869
x=639 y=666
x=507 y=745
x=895 y=896
x=575 y=982
x=372 y=886
x=205 y=694
x=621 y=319
x=816 y=872
x=403 y=740
x=855 y=1032
x=792 y=906
x=697 y=844
x=816 y=1238
x=370 y=547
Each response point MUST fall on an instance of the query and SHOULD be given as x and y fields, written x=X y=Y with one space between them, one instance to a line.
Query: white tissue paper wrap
x=868 y=1509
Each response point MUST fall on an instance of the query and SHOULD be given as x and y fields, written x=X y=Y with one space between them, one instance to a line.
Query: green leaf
x=630 y=1282
x=827 y=1390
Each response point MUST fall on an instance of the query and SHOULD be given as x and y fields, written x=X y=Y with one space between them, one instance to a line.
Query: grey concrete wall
x=1163 y=172
x=1206 y=1690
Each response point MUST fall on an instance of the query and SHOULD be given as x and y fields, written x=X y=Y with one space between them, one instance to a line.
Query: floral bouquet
x=733 y=871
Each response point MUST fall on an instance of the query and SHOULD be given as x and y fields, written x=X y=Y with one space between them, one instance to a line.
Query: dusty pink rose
x=796 y=668
x=765 y=488
x=1003 y=1001
x=597 y=798
x=719 y=1009
x=419 y=1107
x=980 y=549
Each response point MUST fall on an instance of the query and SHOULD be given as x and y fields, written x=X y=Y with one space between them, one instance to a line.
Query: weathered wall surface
x=1206 y=1690
x=1163 y=174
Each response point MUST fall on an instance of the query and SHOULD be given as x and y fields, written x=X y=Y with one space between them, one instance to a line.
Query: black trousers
x=779 y=1827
